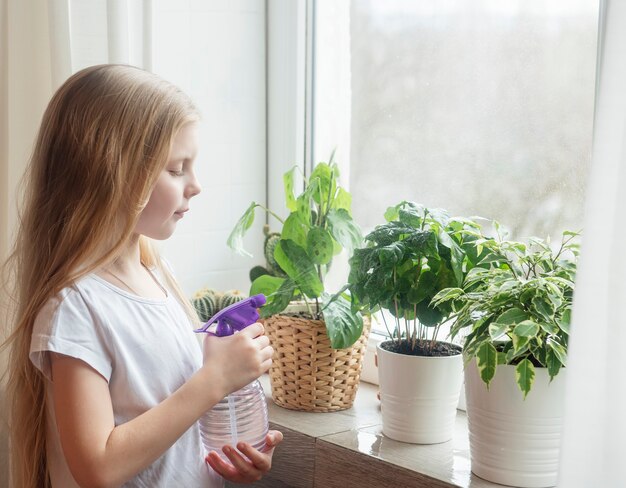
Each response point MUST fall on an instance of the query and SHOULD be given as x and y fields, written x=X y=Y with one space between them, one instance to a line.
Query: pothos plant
x=406 y=262
x=318 y=227
x=518 y=310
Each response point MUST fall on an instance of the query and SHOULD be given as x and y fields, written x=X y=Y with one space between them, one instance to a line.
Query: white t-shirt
x=145 y=349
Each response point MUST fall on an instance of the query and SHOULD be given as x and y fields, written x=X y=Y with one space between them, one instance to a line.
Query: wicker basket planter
x=306 y=373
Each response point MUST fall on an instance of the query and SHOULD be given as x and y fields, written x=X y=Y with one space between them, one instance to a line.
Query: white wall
x=215 y=51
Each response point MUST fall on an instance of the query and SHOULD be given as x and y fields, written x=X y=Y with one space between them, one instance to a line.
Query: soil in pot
x=438 y=349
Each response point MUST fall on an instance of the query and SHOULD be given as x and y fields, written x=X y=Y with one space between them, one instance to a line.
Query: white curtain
x=41 y=44
x=595 y=424
x=26 y=85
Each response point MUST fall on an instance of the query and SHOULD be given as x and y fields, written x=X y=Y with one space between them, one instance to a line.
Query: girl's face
x=174 y=188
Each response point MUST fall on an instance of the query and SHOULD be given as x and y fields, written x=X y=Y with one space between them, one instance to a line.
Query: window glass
x=483 y=108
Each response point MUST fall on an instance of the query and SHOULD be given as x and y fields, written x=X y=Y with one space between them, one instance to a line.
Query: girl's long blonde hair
x=104 y=138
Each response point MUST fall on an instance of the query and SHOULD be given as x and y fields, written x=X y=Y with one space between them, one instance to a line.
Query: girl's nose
x=193 y=188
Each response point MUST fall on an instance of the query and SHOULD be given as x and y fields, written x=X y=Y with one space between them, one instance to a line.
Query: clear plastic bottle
x=240 y=417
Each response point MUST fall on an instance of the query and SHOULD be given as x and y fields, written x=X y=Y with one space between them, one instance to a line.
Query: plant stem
x=330 y=193
x=434 y=339
x=406 y=328
x=385 y=321
x=414 y=325
x=320 y=209
x=395 y=301
x=564 y=242
x=271 y=213
x=308 y=306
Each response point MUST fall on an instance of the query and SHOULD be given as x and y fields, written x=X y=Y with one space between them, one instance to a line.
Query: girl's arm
x=100 y=454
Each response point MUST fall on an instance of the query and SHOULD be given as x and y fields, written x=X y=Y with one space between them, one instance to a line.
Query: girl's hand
x=239 y=359
x=244 y=470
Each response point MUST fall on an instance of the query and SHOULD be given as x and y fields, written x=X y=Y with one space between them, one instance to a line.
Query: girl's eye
x=176 y=173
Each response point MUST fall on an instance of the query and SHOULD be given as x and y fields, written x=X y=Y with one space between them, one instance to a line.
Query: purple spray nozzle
x=237 y=316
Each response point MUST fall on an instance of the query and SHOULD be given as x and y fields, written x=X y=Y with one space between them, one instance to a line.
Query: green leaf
x=497 y=330
x=446 y=294
x=235 y=239
x=344 y=230
x=304 y=200
x=543 y=307
x=278 y=301
x=549 y=327
x=428 y=316
x=385 y=234
x=520 y=344
x=565 y=320
x=457 y=255
x=343 y=199
x=390 y=255
x=525 y=375
x=288 y=185
x=512 y=316
x=553 y=363
x=501 y=358
x=391 y=214
x=296 y=229
x=486 y=360
x=411 y=216
x=327 y=183
x=266 y=284
x=294 y=261
x=538 y=350
x=343 y=327
x=558 y=349
x=492 y=257
x=527 y=328
x=319 y=245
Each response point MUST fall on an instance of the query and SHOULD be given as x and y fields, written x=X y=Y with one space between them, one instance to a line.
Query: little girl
x=106 y=377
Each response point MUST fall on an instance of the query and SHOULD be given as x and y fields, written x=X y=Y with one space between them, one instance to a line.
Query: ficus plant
x=319 y=226
x=517 y=311
x=405 y=264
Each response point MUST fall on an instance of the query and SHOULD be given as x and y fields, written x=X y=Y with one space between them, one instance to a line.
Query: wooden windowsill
x=347 y=449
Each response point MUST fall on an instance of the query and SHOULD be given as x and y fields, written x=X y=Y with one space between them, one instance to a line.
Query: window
x=482 y=108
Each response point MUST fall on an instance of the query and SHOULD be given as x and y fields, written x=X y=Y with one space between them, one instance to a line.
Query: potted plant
x=516 y=315
x=318 y=341
x=406 y=262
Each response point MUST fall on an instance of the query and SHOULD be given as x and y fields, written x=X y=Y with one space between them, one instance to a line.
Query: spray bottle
x=242 y=415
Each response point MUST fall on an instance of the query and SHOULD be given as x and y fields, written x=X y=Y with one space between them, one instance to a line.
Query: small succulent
x=229 y=298
x=205 y=305
x=272 y=268
x=208 y=302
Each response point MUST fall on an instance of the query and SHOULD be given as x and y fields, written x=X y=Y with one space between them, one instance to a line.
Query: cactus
x=205 y=305
x=204 y=291
x=229 y=298
x=271 y=241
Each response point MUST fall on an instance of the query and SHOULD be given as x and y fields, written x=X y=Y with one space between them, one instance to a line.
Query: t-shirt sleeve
x=68 y=325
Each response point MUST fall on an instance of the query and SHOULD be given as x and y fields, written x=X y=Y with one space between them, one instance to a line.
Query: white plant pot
x=513 y=441
x=418 y=396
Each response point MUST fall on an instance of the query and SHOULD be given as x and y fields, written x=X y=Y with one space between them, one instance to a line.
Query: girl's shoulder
x=69 y=297
x=72 y=324
x=90 y=299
